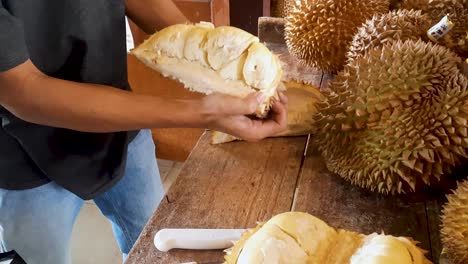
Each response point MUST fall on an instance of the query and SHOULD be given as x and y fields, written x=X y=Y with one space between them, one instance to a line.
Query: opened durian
x=454 y=232
x=206 y=59
x=300 y=238
x=303 y=99
x=395 y=25
x=319 y=32
x=395 y=117
x=457 y=11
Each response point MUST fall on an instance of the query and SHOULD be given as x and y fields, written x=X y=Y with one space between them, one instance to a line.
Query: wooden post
x=245 y=13
x=220 y=12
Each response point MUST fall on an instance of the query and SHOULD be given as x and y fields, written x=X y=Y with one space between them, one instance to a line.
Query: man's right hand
x=229 y=114
x=37 y=98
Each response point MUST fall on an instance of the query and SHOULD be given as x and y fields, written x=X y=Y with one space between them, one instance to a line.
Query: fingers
x=230 y=105
x=255 y=130
x=283 y=98
x=233 y=119
x=279 y=113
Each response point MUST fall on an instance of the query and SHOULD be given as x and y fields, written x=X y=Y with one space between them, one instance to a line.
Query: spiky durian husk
x=395 y=4
x=319 y=32
x=279 y=8
x=395 y=25
x=395 y=116
x=454 y=231
x=457 y=38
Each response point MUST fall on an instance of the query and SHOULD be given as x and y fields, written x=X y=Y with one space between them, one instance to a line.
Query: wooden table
x=235 y=185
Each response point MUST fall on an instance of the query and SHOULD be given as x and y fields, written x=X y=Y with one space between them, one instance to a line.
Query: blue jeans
x=37 y=223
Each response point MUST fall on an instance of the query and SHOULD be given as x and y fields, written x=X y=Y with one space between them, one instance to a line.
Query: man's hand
x=229 y=114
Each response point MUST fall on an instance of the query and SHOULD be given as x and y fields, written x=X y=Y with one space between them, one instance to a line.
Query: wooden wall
x=244 y=14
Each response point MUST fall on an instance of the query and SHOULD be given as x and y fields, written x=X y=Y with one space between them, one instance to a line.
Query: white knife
x=196 y=239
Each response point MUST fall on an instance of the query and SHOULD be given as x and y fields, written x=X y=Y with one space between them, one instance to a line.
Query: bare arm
x=153 y=15
x=37 y=98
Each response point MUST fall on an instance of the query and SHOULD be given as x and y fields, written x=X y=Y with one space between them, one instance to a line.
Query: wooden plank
x=220 y=12
x=232 y=185
x=343 y=205
x=245 y=13
x=433 y=209
x=266 y=8
x=271 y=30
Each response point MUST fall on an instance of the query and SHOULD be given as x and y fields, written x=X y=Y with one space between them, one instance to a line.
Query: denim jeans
x=37 y=223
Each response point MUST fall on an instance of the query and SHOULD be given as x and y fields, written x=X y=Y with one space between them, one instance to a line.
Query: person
x=72 y=129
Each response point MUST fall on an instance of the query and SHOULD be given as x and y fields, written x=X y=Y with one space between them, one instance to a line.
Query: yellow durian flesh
x=300 y=238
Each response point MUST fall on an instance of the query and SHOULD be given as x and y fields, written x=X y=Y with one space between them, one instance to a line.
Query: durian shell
x=319 y=32
x=457 y=38
x=395 y=117
x=395 y=4
x=454 y=230
x=394 y=25
x=279 y=8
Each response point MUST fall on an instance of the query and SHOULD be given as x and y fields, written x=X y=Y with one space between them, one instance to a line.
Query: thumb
x=243 y=106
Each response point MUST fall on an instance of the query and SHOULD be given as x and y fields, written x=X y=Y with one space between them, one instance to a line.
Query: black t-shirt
x=77 y=40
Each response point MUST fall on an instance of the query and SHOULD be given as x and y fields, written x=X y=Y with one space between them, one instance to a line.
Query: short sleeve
x=13 y=50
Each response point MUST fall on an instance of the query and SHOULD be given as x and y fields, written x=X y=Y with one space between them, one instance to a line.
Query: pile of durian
x=395 y=116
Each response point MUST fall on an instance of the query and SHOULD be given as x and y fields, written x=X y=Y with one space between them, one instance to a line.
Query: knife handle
x=197 y=239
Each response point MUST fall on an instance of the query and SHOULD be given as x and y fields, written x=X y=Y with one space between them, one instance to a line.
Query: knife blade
x=196 y=239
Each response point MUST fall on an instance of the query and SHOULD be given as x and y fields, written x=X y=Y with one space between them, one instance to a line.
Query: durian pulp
x=299 y=238
x=200 y=79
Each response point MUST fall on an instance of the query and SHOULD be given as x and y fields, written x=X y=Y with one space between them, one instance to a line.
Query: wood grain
x=271 y=30
x=433 y=209
x=220 y=12
x=224 y=186
x=345 y=206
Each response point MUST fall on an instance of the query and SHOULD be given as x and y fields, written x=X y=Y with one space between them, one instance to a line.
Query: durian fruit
x=303 y=99
x=209 y=59
x=279 y=8
x=395 y=4
x=457 y=11
x=454 y=231
x=319 y=32
x=395 y=25
x=395 y=117
x=297 y=237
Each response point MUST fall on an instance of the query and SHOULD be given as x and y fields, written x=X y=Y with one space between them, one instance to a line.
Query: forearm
x=154 y=15
x=95 y=108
